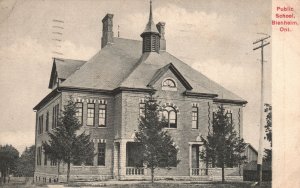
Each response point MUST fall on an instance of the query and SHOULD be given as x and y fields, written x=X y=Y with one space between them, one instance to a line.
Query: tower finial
x=150 y=16
x=150 y=35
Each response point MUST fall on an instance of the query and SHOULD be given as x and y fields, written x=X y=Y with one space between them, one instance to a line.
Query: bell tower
x=151 y=36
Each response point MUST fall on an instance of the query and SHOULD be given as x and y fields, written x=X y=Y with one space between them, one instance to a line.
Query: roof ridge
x=59 y=58
x=128 y=39
x=133 y=69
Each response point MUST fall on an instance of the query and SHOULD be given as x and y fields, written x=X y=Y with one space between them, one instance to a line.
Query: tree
x=25 y=164
x=157 y=148
x=268 y=130
x=224 y=146
x=8 y=159
x=65 y=143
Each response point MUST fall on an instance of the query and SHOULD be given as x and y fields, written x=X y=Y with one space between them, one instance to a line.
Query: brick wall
x=237 y=115
x=106 y=133
x=40 y=138
x=184 y=133
x=122 y=121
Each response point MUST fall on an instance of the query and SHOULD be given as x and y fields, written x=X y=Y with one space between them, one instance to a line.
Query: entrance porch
x=127 y=160
x=127 y=163
x=197 y=165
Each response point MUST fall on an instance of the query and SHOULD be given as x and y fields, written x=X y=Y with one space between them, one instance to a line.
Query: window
x=47 y=122
x=169 y=83
x=170 y=115
x=45 y=159
x=79 y=108
x=40 y=125
x=229 y=117
x=142 y=109
x=214 y=119
x=38 y=156
x=101 y=154
x=102 y=115
x=55 y=116
x=173 y=159
x=195 y=118
x=91 y=114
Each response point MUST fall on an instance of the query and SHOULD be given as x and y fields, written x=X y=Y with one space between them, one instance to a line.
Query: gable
x=170 y=67
x=62 y=69
x=169 y=84
x=53 y=77
x=249 y=146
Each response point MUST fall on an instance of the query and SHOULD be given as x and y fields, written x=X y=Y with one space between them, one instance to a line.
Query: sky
x=214 y=37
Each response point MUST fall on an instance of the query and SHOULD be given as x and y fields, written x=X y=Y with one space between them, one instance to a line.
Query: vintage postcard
x=149 y=93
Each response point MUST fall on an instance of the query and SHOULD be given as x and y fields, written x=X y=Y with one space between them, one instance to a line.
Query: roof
x=63 y=68
x=109 y=67
x=253 y=166
x=122 y=64
x=251 y=147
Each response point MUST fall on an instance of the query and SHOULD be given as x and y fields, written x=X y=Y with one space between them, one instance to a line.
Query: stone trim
x=209 y=118
x=97 y=140
x=90 y=100
x=142 y=100
x=168 y=104
x=196 y=142
x=239 y=119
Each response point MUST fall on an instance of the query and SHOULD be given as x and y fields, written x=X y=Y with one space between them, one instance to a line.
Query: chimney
x=161 y=29
x=107 y=31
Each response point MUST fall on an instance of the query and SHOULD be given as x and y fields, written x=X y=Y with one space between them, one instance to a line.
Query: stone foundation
x=214 y=174
x=53 y=178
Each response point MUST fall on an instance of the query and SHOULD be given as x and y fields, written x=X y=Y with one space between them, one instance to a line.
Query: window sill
x=101 y=166
x=169 y=128
x=89 y=166
x=89 y=126
x=166 y=88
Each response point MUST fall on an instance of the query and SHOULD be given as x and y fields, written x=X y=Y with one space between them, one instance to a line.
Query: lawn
x=27 y=183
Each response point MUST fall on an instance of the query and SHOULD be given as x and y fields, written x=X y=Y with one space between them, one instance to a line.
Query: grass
x=27 y=183
x=184 y=185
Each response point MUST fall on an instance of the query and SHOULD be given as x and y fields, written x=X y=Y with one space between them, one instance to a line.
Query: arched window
x=170 y=115
x=169 y=83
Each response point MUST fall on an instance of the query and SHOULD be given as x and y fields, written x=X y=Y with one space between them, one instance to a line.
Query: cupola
x=151 y=36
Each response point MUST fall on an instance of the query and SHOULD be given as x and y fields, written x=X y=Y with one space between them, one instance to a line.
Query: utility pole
x=263 y=43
